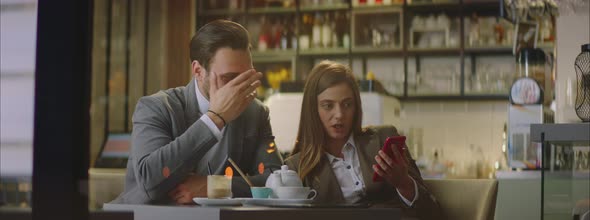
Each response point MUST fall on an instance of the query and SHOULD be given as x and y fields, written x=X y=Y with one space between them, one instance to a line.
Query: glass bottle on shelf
x=376 y=37
x=305 y=36
x=335 y=39
x=474 y=30
x=546 y=30
x=339 y=30
x=346 y=34
x=277 y=31
x=291 y=33
x=264 y=35
x=366 y=38
x=316 y=38
x=285 y=38
x=509 y=32
x=498 y=32
x=326 y=31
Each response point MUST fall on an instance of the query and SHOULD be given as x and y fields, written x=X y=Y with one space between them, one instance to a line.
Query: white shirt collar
x=349 y=142
x=201 y=100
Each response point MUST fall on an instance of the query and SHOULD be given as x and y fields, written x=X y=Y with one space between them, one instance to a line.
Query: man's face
x=227 y=63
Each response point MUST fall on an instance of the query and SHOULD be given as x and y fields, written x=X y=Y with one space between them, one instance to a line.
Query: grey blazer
x=169 y=141
x=379 y=194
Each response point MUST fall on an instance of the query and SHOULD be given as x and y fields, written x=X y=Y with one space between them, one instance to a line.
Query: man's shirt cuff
x=216 y=132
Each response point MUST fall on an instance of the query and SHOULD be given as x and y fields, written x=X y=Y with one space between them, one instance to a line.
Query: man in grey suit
x=179 y=132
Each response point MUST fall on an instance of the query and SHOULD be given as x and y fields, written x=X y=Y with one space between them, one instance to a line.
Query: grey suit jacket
x=169 y=142
x=379 y=194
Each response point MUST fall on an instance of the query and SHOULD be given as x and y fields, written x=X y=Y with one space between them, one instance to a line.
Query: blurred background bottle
x=306 y=32
x=316 y=39
x=264 y=34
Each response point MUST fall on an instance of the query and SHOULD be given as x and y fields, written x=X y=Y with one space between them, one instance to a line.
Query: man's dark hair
x=214 y=35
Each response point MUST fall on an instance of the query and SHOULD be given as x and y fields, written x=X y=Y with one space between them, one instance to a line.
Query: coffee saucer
x=217 y=202
x=274 y=202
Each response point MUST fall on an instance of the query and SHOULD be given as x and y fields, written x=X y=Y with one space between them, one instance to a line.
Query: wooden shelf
x=434 y=51
x=324 y=52
x=502 y=49
x=482 y=6
x=335 y=7
x=272 y=55
x=453 y=97
x=395 y=51
x=377 y=8
x=221 y=12
x=434 y=7
x=272 y=10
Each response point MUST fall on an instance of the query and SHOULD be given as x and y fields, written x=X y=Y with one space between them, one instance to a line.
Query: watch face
x=525 y=91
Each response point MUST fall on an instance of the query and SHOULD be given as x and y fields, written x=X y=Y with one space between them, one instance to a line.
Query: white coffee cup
x=290 y=192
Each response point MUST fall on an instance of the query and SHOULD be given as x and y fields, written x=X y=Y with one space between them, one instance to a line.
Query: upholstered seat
x=469 y=199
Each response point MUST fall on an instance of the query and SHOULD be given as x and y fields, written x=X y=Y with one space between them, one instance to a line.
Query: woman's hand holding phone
x=395 y=142
x=391 y=164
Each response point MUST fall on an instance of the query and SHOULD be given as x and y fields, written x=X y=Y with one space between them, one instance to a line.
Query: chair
x=469 y=199
x=104 y=185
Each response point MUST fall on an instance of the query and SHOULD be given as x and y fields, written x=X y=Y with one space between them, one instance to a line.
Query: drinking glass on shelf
x=417 y=22
x=500 y=82
x=395 y=86
x=454 y=84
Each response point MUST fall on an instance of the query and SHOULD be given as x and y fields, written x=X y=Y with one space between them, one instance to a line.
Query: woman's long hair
x=312 y=137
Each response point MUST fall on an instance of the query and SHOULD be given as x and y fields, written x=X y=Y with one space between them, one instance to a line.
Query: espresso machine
x=530 y=97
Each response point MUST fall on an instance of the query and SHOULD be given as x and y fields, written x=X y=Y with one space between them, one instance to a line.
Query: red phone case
x=400 y=142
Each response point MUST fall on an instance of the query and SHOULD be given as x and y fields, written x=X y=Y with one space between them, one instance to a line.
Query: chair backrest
x=469 y=199
x=104 y=185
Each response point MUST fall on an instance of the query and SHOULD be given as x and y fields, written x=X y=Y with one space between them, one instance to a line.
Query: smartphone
x=400 y=142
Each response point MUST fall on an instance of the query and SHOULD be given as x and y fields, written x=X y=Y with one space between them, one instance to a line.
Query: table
x=153 y=212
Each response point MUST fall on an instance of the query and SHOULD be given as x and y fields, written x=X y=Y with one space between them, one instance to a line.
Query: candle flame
x=261 y=168
x=229 y=172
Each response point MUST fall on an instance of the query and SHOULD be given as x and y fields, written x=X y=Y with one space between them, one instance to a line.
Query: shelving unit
x=398 y=15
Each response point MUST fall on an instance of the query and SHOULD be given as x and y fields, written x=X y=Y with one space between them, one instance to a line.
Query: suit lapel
x=328 y=188
x=367 y=148
x=233 y=136
x=225 y=147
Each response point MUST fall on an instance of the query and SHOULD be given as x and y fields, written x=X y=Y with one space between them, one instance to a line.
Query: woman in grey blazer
x=334 y=156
